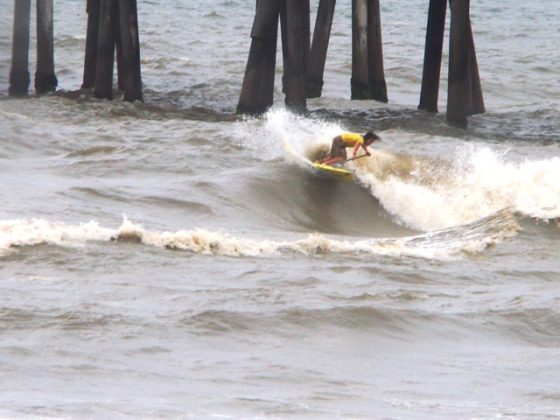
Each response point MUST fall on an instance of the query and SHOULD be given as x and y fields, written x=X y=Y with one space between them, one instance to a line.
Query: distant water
x=168 y=259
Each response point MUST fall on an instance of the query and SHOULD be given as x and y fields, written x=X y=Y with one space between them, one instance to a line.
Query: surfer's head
x=370 y=137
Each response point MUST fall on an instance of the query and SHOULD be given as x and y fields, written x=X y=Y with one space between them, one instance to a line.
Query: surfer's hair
x=371 y=136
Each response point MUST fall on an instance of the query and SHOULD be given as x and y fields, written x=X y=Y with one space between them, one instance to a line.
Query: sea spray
x=268 y=137
x=475 y=183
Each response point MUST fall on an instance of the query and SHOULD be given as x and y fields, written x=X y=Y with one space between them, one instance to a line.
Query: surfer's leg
x=332 y=154
x=338 y=156
x=338 y=153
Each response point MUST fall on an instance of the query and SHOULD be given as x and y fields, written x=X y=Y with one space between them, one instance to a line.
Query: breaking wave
x=424 y=193
x=445 y=244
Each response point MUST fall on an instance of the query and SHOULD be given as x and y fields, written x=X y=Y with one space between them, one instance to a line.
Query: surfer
x=344 y=140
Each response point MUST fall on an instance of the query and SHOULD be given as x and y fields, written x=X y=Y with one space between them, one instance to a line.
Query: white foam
x=282 y=134
x=440 y=245
x=21 y=232
x=476 y=183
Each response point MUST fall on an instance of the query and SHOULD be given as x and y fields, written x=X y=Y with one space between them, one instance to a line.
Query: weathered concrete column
x=377 y=84
x=284 y=36
x=130 y=43
x=297 y=28
x=476 y=105
x=458 y=88
x=319 y=47
x=360 y=64
x=19 y=73
x=432 y=56
x=45 y=78
x=105 y=50
x=258 y=84
x=92 y=37
x=118 y=49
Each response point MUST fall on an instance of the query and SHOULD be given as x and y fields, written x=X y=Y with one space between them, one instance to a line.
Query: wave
x=524 y=325
x=424 y=193
x=429 y=194
x=443 y=245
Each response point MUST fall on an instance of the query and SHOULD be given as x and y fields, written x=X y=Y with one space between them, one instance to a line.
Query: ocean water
x=169 y=259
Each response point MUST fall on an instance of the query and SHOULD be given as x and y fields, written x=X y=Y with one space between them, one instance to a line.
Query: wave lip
x=446 y=244
x=429 y=194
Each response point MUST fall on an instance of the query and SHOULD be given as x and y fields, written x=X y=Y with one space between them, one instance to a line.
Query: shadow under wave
x=301 y=201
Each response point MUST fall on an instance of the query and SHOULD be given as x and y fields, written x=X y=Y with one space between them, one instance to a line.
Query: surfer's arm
x=357 y=147
x=355 y=150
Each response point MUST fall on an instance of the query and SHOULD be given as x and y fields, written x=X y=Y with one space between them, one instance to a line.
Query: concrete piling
x=103 y=88
x=92 y=37
x=113 y=26
x=476 y=105
x=432 y=56
x=295 y=71
x=464 y=89
x=360 y=65
x=45 y=78
x=119 y=50
x=458 y=79
x=377 y=84
x=19 y=72
x=258 y=84
x=130 y=50
x=319 y=47
x=368 y=78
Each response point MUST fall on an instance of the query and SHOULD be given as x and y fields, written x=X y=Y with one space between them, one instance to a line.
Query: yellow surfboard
x=333 y=172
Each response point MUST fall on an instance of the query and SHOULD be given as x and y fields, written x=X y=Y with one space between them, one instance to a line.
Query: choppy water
x=168 y=259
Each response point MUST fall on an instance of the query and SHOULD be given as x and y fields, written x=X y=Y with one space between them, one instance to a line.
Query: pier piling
x=19 y=72
x=432 y=56
x=113 y=28
x=131 y=78
x=458 y=79
x=92 y=37
x=368 y=76
x=105 y=50
x=45 y=78
x=464 y=90
x=258 y=84
x=360 y=68
x=377 y=84
x=297 y=50
x=319 y=47
x=476 y=105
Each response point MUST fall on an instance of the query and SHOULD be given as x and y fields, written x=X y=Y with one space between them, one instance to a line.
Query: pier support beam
x=432 y=56
x=258 y=84
x=465 y=92
x=459 y=75
x=92 y=37
x=105 y=50
x=476 y=103
x=319 y=47
x=377 y=84
x=19 y=73
x=130 y=50
x=297 y=50
x=360 y=69
x=368 y=76
x=45 y=78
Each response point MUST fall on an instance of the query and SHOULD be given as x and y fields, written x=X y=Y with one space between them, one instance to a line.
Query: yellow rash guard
x=351 y=139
